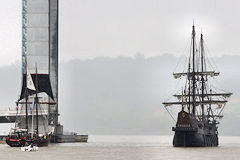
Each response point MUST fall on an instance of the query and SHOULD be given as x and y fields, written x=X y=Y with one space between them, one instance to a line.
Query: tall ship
x=201 y=105
x=32 y=128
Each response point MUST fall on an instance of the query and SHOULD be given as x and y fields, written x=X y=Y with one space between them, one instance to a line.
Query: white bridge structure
x=8 y=113
x=10 y=116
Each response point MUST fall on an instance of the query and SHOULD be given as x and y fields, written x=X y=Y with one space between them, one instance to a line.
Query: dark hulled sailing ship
x=26 y=129
x=201 y=106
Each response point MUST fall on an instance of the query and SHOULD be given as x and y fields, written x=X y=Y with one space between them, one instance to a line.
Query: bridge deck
x=9 y=116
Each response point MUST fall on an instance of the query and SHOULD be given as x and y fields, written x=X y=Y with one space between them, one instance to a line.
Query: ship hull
x=194 y=139
x=15 y=142
x=191 y=132
x=18 y=143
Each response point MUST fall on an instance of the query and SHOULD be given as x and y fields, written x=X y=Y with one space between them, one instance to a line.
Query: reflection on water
x=112 y=147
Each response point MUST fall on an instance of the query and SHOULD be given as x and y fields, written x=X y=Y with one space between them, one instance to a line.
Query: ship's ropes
x=182 y=56
x=211 y=61
x=170 y=115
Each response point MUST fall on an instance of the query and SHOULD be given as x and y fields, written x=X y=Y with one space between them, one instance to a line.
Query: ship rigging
x=201 y=105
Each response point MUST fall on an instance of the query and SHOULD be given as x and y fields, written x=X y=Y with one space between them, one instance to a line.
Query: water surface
x=111 y=147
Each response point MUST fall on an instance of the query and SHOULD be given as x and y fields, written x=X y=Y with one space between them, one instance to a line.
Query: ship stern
x=187 y=133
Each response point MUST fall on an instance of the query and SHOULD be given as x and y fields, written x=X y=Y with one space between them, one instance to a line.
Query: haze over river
x=113 y=147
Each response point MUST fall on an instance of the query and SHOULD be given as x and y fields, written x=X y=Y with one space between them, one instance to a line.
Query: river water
x=111 y=147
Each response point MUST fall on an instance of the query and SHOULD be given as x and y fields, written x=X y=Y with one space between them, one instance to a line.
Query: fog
x=123 y=95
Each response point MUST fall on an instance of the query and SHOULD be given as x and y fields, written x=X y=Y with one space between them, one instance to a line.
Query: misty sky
x=111 y=28
x=124 y=95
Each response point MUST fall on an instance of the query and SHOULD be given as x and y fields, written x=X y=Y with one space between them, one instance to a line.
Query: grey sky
x=111 y=28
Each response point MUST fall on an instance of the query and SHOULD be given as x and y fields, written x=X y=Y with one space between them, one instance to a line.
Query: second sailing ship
x=201 y=106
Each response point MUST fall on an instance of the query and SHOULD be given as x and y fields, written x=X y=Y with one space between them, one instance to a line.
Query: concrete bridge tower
x=40 y=46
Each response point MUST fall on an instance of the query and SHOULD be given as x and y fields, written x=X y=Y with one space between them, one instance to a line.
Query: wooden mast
x=197 y=80
x=202 y=78
x=189 y=89
x=36 y=99
x=193 y=71
x=26 y=98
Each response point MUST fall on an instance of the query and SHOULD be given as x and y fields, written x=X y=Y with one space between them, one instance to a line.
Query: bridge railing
x=22 y=113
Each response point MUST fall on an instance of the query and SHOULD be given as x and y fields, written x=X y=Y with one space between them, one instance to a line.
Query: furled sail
x=209 y=73
x=225 y=95
x=196 y=103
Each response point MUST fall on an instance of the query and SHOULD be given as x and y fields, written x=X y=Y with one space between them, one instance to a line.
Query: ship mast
x=26 y=100
x=193 y=71
x=202 y=77
x=196 y=85
x=36 y=100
